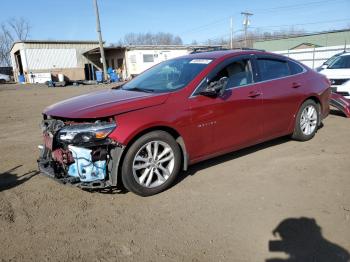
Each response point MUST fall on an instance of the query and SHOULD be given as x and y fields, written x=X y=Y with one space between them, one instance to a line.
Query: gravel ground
x=224 y=209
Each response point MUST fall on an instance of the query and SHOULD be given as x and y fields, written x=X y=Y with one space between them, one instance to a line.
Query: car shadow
x=193 y=169
x=110 y=190
x=302 y=240
x=9 y=179
x=337 y=112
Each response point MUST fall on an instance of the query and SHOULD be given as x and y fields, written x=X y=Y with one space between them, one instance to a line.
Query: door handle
x=295 y=85
x=254 y=94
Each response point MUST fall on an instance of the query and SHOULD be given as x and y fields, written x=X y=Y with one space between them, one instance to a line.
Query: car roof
x=345 y=54
x=223 y=53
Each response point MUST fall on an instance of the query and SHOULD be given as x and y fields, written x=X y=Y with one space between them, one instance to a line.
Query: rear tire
x=151 y=164
x=307 y=121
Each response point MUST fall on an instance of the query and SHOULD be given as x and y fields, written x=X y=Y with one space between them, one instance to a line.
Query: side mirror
x=215 y=88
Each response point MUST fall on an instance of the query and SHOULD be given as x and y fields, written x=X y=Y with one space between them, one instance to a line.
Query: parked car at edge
x=178 y=113
x=4 y=78
x=338 y=72
x=328 y=62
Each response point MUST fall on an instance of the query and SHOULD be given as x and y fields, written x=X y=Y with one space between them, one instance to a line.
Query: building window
x=148 y=58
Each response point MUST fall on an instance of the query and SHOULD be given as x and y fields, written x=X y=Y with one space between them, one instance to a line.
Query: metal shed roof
x=55 y=42
x=330 y=38
x=152 y=47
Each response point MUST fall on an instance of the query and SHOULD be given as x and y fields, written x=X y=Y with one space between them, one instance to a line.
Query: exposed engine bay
x=79 y=152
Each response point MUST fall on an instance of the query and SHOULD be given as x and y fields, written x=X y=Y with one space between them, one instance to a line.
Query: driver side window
x=239 y=73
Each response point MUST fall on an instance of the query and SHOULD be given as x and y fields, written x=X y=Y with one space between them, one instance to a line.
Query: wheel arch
x=314 y=98
x=311 y=97
x=173 y=132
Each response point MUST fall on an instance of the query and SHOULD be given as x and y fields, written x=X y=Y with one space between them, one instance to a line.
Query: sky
x=192 y=19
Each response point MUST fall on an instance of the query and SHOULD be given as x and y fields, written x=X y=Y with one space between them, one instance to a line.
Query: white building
x=134 y=59
x=40 y=61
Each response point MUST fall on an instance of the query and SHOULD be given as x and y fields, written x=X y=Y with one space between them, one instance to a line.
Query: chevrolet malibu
x=179 y=112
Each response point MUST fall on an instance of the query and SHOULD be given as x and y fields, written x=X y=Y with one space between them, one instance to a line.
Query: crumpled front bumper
x=46 y=167
x=86 y=164
x=341 y=103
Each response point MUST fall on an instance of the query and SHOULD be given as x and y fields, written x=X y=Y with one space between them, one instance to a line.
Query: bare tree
x=253 y=36
x=160 y=38
x=12 y=30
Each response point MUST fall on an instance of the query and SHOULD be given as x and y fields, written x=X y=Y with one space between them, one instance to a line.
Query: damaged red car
x=179 y=112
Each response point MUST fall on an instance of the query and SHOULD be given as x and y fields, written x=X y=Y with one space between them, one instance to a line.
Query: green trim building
x=324 y=39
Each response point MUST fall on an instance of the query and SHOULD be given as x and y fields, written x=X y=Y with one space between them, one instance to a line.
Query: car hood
x=104 y=104
x=336 y=73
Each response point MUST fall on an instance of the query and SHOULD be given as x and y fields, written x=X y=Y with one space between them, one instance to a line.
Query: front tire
x=307 y=120
x=151 y=164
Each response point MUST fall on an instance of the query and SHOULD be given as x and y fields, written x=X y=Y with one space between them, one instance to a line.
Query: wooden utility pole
x=246 y=23
x=98 y=29
x=231 y=32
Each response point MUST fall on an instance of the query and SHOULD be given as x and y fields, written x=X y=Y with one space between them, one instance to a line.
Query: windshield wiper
x=140 y=89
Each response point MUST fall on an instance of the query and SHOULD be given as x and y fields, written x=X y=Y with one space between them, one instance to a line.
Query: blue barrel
x=99 y=76
x=114 y=77
x=21 y=79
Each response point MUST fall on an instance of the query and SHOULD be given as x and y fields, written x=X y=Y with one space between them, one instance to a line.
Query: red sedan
x=177 y=113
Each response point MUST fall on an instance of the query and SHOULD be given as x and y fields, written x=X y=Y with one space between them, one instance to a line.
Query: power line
x=204 y=26
x=295 y=6
x=258 y=11
x=312 y=23
x=278 y=27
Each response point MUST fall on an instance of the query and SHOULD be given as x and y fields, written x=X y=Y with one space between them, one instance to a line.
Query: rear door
x=281 y=93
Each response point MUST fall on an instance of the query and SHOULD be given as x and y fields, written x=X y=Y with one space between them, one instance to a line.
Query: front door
x=233 y=119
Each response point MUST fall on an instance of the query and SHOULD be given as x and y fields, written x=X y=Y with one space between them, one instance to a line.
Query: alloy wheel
x=153 y=164
x=308 y=120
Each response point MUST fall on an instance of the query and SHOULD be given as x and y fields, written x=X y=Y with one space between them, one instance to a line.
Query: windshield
x=340 y=62
x=168 y=76
x=330 y=60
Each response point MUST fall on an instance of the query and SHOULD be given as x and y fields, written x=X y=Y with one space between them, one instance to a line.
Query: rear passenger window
x=272 y=69
x=295 y=68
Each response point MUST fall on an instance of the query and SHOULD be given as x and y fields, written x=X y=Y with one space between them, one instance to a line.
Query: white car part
x=83 y=167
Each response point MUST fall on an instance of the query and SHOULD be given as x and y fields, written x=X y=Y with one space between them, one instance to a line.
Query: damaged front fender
x=341 y=103
x=87 y=165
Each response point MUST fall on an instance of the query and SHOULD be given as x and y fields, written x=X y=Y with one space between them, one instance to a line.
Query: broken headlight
x=85 y=133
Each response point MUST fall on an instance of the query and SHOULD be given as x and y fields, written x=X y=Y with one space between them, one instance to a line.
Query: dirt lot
x=224 y=209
